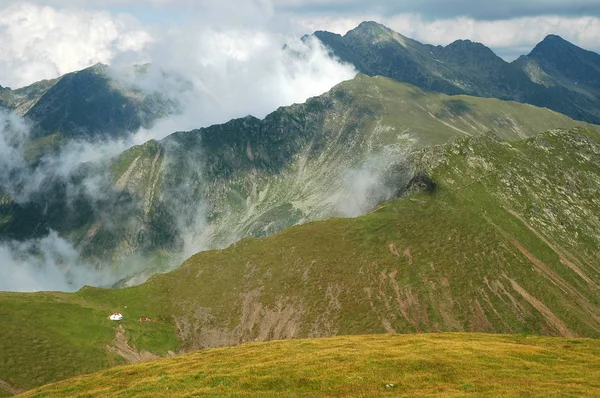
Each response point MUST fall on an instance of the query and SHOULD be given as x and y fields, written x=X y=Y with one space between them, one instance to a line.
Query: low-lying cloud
x=216 y=75
x=48 y=263
x=211 y=74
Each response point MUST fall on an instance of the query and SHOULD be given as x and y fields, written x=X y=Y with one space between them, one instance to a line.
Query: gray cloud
x=430 y=8
x=433 y=9
x=247 y=11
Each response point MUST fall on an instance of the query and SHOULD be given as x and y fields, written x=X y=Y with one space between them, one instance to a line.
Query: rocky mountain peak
x=553 y=44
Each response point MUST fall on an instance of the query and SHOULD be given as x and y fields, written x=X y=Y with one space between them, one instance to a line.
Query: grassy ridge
x=359 y=366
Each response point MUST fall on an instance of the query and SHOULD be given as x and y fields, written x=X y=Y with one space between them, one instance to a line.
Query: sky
x=46 y=38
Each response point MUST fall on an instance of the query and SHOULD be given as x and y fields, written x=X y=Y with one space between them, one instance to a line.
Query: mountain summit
x=565 y=65
x=557 y=74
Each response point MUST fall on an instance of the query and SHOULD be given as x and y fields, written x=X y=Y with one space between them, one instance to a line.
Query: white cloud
x=220 y=74
x=48 y=263
x=43 y=42
x=215 y=73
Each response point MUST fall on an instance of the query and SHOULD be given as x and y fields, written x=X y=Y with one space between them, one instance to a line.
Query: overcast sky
x=44 y=39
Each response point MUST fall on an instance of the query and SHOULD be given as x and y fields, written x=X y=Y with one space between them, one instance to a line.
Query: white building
x=116 y=317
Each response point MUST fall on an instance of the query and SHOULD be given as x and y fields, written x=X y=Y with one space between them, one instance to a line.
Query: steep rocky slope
x=556 y=62
x=21 y=100
x=92 y=104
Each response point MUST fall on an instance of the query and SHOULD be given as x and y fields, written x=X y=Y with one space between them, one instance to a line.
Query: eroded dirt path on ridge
x=10 y=389
x=122 y=348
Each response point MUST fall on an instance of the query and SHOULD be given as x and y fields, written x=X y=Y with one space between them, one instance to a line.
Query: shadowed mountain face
x=84 y=105
x=556 y=62
x=464 y=67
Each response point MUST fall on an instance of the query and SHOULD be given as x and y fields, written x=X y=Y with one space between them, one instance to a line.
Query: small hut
x=117 y=316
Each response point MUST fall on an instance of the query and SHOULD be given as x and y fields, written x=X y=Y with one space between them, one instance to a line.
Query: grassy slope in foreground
x=416 y=365
x=506 y=243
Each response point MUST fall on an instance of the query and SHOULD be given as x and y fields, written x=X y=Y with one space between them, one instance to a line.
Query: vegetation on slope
x=51 y=336
x=250 y=178
x=503 y=237
x=22 y=99
x=448 y=365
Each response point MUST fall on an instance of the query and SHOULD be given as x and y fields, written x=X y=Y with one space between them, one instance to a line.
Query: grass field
x=447 y=365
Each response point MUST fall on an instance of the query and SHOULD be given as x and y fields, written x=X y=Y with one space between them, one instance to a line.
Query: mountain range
x=440 y=190
x=496 y=237
x=340 y=154
x=556 y=74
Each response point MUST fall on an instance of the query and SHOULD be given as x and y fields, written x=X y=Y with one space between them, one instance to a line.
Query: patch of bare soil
x=407 y=303
x=258 y=322
x=262 y=323
x=122 y=348
x=409 y=256
x=8 y=388
x=479 y=320
x=394 y=250
x=593 y=311
x=538 y=305
x=565 y=257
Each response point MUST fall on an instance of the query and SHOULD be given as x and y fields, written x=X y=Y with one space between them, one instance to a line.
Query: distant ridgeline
x=556 y=74
x=89 y=104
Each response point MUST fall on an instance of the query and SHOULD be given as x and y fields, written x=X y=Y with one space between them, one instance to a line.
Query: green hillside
x=498 y=237
x=339 y=154
x=448 y=365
